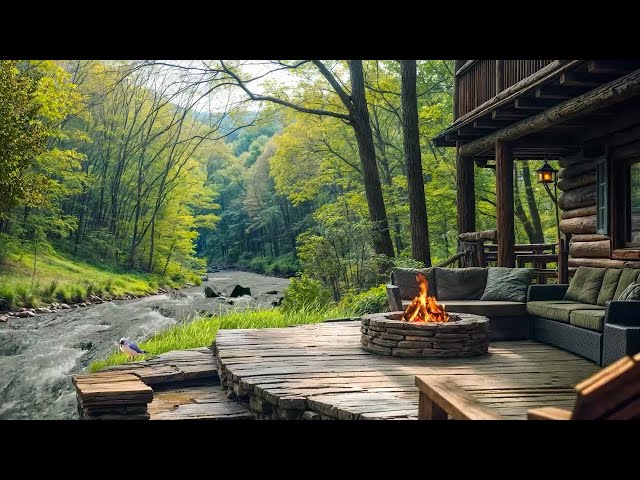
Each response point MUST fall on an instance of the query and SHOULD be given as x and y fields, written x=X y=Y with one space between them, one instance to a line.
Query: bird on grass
x=130 y=349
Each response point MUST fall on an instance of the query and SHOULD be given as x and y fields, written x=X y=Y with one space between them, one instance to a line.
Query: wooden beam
x=622 y=120
x=533 y=104
x=508 y=114
x=560 y=93
x=504 y=205
x=584 y=79
x=467 y=65
x=615 y=67
x=465 y=195
x=490 y=124
x=604 y=96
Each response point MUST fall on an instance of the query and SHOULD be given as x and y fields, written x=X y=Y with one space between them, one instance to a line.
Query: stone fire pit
x=464 y=335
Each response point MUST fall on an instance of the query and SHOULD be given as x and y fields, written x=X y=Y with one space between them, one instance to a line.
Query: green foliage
x=305 y=293
x=373 y=300
x=202 y=332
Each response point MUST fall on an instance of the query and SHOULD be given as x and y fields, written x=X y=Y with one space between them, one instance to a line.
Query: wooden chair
x=611 y=394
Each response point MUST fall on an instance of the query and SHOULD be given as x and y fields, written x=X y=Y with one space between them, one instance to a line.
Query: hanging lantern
x=546 y=173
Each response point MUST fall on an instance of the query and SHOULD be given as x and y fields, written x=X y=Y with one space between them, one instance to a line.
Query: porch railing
x=478 y=81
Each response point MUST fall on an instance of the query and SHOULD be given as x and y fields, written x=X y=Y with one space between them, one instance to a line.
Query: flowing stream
x=39 y=355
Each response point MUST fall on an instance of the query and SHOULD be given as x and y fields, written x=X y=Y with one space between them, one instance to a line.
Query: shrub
x=62 y=294
x=78 y=294
x=7 y=297
x=371 y=301
x=305 y=292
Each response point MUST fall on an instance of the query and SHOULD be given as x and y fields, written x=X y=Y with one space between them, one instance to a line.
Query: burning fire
x=424 y=308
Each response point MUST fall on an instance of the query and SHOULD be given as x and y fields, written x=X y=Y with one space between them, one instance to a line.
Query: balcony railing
x=478 y=81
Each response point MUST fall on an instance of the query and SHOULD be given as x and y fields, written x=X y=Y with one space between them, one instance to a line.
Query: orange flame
x=424 y=308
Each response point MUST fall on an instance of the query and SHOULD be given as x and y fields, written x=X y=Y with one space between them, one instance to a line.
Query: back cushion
x=405 y=279
x=460 y=283
x=585 y=285
x=507 y=284
x=627 y=277
x=609 y=285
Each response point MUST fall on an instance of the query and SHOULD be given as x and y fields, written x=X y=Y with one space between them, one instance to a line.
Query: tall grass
x=202 y=332
x=61 y=279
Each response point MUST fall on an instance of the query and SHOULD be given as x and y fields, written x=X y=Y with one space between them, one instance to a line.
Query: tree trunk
x=417 y=205
x=366 y=150
x=534 y=214
x=518 y=210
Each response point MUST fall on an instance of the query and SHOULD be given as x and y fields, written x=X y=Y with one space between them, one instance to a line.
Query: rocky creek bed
x=39 y=354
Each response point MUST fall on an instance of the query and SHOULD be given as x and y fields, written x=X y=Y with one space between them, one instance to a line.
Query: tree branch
x=267 y=98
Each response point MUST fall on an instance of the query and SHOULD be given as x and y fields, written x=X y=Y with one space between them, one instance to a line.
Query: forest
x=322 y=170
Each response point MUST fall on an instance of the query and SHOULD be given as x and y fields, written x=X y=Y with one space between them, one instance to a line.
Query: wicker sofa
x=585 y=317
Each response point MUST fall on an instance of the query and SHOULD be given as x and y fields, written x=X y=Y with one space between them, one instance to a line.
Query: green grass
x=202 y=332
x=63 y=279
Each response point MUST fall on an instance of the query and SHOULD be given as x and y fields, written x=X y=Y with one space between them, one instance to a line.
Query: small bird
x=130 y=348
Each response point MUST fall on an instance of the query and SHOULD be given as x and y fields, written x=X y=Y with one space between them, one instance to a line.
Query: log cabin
x=583 y=113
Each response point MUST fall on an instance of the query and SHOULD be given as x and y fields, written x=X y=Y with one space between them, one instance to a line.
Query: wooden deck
x=185 y=387
x=319 y=371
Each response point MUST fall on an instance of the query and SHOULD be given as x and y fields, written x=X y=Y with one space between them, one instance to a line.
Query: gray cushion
x=510 y=284
x=632 y=292
x=557 y=309
x=591 y=319
x=627 y=277
x=585 y=285
x=460 y=283
x=609 y=285
x=405 y=279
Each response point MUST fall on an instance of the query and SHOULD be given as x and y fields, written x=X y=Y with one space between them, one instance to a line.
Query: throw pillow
x=507 y=284
x=632 y=292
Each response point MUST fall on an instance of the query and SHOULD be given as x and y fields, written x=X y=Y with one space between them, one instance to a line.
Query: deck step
x=178 y=366
x=202 y=402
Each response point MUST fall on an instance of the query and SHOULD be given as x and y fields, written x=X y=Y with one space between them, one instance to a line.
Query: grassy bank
x=202 y=332
x=66 y=280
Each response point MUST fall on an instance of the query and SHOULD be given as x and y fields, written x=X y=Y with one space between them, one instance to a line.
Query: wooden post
x=465 y=194
x=563 y=264
x=504 y=207
x=429 y=410
x=499 y=76
x=456 y=111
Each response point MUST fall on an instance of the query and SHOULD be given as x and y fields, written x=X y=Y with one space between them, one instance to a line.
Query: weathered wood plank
x=321 y=369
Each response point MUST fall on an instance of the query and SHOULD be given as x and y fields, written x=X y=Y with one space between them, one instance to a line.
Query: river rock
x=211 y=293
x=82 y=304
x=43 y=310
x=4 y=318
x=26 y=314
x=237 y=291
x=64 y=306
x=278 y=302
x=204 y=278
x=272 y=292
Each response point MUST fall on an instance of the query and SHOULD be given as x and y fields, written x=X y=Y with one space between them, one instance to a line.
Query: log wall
x=577 y=202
